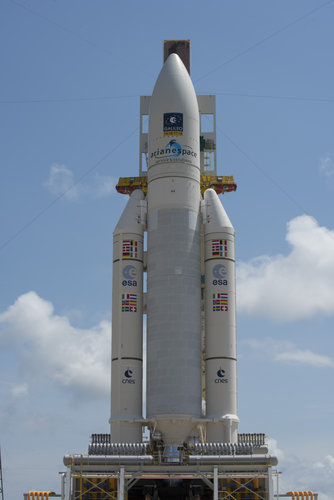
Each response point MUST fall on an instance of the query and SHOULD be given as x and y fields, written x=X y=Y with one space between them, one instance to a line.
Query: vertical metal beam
x=68 y=480
x=121 y=485
x=179 y=47
x=215 y=483
x=270 y=485
x=277 y=483
x=63 y=486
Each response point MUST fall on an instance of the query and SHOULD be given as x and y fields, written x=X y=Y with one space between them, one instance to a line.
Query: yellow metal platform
x=221 y=184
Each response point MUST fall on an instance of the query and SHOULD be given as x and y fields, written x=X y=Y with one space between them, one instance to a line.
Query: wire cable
x=265 y=174
x=61 y=195
x=61 y=27
x=41 y=100
x=277 y=97
x=71 y=32
x=265 y=39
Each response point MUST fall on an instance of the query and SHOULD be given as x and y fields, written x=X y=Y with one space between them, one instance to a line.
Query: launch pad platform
x=152 y=476
x=242 y=471
x=136 y=481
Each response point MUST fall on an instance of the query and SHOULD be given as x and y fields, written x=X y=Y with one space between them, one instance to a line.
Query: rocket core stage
x=187 y=237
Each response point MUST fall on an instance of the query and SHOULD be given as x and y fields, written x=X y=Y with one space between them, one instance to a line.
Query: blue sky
x=72 y=74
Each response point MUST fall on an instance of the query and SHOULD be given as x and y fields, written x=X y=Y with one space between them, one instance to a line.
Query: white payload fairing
x=186 y=233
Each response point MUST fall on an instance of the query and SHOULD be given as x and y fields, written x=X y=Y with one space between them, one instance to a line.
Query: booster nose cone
x=216 y=216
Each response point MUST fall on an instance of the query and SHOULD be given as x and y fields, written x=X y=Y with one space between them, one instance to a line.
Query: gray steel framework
x=127 y=475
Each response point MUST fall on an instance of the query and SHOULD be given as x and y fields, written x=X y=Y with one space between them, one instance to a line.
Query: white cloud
x=305 y=474
x=305 y=357
x=61 y=183
x=275 y=450
x=19 y=390
x=48 y=346
x=103 y=186
x=284 y=351
x=14 y=390
x=292 y=287
x=327 y=166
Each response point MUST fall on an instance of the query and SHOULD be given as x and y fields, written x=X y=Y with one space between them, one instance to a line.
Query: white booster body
x=220 y=322
x=127 y=325
x=173 y=256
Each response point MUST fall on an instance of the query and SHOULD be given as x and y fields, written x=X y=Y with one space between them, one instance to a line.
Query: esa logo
x=128 y=377
x=221 y=377
x=219 y=282
x=219 y=273
x=129 y=273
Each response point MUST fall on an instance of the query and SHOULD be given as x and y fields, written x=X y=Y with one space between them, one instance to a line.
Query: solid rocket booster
x=173 y=263
x=220 y=322
x=127 y=325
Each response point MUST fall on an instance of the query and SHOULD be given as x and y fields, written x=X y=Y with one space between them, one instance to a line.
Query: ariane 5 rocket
x=187 y=295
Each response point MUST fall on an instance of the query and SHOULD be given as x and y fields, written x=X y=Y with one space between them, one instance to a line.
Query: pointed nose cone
x=174 y=116
x=174 y=87
x=129 y=216
x=216 y=216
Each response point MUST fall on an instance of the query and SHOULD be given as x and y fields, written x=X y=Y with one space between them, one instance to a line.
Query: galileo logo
x=173 y=124
x=129 y=272
x=221 y=377
x=128 y=374
x=174 y=150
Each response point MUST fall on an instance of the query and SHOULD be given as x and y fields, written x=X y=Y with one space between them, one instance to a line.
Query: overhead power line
x=271 y=179
x=73 y=33
x=278 y=97
x=42 y=100
x=61 y=195
x=265 y=39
